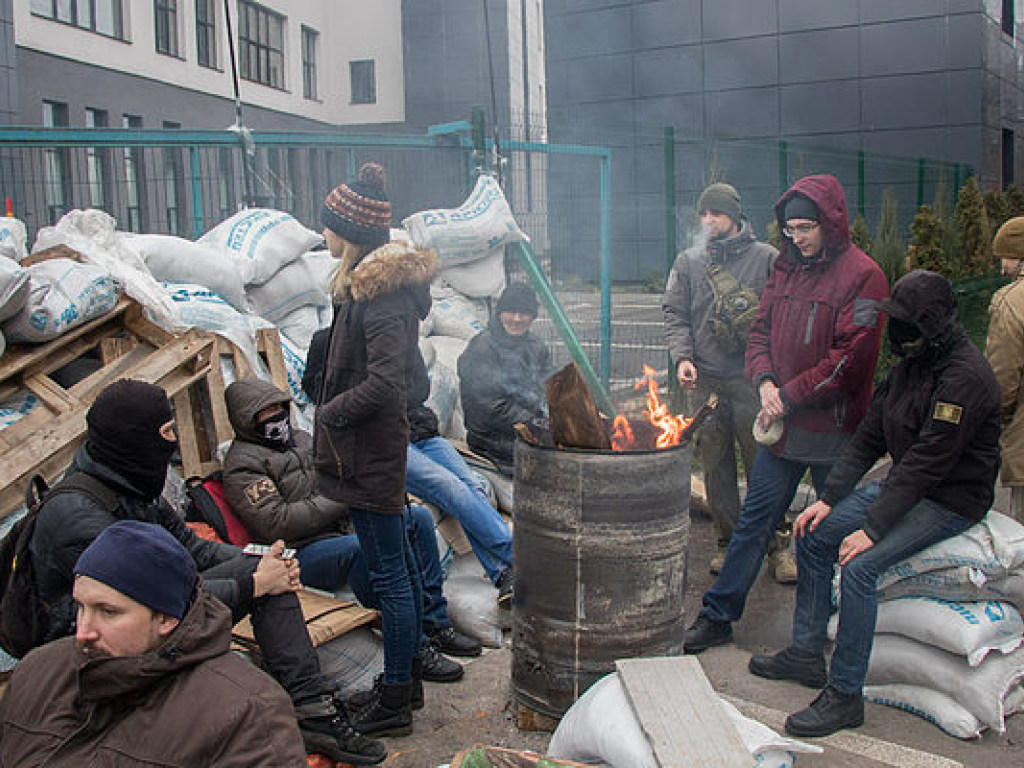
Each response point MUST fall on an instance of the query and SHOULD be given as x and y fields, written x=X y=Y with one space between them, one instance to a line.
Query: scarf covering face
x=276 y=432
x=124 y=433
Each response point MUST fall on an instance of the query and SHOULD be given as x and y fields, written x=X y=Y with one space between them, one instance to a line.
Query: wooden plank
x=222 y=430
x=51 y=394
x=680 y=713
x=116 y=346
x=575 y=422
x=136 y=321
x=268 y=344
x=188 y=443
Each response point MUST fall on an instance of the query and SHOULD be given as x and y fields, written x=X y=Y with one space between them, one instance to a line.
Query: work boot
x=832 y=711
x=326 y=731
x=388 y=713
x=719 y=559
x=781 y=559
x=706 y=633
x=505 y=583
x=435 y=668
x=453 y=643
x=791 y=664
x=359 y=700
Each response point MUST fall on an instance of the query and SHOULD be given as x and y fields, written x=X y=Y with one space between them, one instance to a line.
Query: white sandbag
x=482 y=278
x=14 y=288
x=995 y=546
x=470 y=231
x=13 y=238
x=457 y=316
x=177 y=260
x=299 y=325
x=934 y=706
x=93 y=235
x=16 y=407
x=3 y=344
x=323 y=266
x=457 y=423
x=961 y=583
x=473 y=601
x=427 y=351
x=970 y=630
x=980 y=690
x=201 y=308
x=351 y=661
x=293 y=286
x=265 y=239
x=602 y=727
x=444 y=379
x=295 y=365
x=63 y=295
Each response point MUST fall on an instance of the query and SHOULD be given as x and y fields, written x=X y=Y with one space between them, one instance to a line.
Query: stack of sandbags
x=470 y=244
x=948 y=643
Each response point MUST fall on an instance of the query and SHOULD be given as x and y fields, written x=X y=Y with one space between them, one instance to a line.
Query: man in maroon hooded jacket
x=811 y=356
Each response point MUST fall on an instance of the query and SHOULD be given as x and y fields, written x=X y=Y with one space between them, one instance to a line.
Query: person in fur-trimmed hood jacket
x=381 y=292
x=811 y=356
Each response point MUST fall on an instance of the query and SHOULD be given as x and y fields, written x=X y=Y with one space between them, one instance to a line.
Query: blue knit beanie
x=143 y=561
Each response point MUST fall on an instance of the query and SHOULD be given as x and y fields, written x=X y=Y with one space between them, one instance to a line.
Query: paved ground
x=479 y=709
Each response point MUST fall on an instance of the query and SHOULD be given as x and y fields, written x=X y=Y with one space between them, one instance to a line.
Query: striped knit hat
x=359 y=211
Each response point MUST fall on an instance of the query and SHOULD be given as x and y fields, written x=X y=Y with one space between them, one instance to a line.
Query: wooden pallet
x=128 y=345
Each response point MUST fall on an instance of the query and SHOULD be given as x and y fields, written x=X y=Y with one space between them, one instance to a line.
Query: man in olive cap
x=1003 y=350
x=712 y=296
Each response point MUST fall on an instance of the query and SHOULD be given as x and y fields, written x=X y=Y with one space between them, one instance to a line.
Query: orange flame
x=657 y=413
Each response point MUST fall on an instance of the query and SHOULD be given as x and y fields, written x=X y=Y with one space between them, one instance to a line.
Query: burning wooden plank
x=574 y=419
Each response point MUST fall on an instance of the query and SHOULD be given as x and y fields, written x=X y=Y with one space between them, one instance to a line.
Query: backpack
x=208 y=504
x=23 y=615
x=733 y=309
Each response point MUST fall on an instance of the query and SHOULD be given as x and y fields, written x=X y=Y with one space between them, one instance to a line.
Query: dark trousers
x=280 y=631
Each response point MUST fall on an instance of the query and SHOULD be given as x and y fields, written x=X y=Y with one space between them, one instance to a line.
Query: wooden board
x=680 y=714
x=573 y=416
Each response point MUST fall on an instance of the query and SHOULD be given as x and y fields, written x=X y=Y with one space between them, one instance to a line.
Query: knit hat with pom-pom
x=359 y=211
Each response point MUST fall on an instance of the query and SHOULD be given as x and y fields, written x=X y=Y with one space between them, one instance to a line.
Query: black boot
x=436 y=668
x=359 y=700
x=389 y=712
x=450 y=641
x=791 y=664
x=706 y=633
x=326 y=731
x=832 y=711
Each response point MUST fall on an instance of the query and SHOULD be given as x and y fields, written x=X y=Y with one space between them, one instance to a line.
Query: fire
x=657 y=413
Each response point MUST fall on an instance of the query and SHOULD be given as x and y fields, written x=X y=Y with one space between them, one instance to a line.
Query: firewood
x=574 y=419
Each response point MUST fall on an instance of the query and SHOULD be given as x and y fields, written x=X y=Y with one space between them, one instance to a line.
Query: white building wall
x=349 y=30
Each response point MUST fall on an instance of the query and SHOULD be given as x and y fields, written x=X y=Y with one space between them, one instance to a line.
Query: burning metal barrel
x=600 y=550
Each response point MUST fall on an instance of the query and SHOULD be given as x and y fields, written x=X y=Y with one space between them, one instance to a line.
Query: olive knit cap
x=1009 y=241
x=721 y=198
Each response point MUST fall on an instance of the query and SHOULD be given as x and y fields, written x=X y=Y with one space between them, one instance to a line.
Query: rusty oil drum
x=600 y=548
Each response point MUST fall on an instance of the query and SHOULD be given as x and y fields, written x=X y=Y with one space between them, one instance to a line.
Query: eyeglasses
x=799 y=229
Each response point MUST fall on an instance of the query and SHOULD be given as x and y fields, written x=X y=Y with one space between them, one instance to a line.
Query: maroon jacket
x=818 y=331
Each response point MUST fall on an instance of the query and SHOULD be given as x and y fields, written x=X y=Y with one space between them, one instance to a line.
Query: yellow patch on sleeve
x=260 y=490
x=948 y=412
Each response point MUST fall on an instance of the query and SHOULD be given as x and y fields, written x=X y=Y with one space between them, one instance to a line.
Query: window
x=1008 y=157
x=309 y=41
x=103 y=16
x=1008 y=17
x=134 y=181
x=364 y=84
x=226 y=183
x=260 y=44
x=165 y=16
x=206 y=33
x=97 y=162
x=57 y=182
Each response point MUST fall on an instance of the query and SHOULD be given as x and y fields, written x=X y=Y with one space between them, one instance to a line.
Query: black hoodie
x=937 y=415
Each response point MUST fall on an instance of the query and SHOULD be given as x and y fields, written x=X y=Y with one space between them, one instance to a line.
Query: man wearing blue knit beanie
x=148 y=674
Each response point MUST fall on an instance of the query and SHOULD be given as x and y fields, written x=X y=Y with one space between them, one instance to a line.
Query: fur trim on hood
x=390 y=267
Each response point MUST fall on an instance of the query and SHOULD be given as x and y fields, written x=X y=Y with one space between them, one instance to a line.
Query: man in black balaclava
x=128 y=449
x=937 y=415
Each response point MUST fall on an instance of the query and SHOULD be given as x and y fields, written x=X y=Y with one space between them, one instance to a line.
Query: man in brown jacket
x=149 y=677
x=1003 y=350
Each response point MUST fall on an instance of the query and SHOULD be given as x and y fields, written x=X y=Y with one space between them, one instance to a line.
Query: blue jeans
x=925 y=524
x=331 y=563
x=771 y=486
x=436 y=473
x=394 y=576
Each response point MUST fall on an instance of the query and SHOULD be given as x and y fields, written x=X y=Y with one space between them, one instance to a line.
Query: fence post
x=197 y=193
x=783 y=166
x=606 y=268
x=860 y=182
x=920 y=181
x=671 y=224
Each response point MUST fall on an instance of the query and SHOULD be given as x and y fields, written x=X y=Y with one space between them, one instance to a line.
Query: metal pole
x=860 y=182
x=198 y=224
x=606 y=268
x=247 y=148
x=920 y=181
x=540 y=284
x=671 y=224
x=783 y=166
